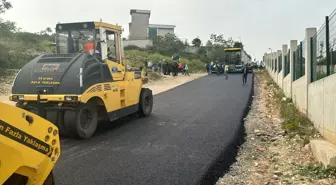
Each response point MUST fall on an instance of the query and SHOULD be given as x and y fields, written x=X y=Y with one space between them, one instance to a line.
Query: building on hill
x=141 y=32
x=155 y=30
x=138 y=27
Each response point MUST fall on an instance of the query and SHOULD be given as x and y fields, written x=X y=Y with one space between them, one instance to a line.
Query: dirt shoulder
x=170 y=82
x=165 y=83
x=270 y=155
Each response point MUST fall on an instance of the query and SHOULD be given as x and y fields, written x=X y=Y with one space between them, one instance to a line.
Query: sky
x=260 y=24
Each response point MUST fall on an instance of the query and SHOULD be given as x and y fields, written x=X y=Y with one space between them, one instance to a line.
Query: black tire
x=145 y=102
x=58 y=120
x=82 y=122
x=49 y=180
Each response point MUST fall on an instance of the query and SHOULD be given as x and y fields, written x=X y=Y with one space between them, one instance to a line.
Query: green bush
x=195 y=66
x=2 y=72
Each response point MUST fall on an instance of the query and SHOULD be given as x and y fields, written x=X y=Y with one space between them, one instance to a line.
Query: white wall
x=191 y=49
x=299 y=94
x=163 y=31
x=322 y=106
x=287 y=86
x=280 y=79
x=139 y=43
x=275 y=77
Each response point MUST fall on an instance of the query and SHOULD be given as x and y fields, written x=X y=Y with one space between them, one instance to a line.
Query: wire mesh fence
x=287 y=64
x=299 y=60
x=332 y=41
x=303 y=59
x=323 y=50
x=280 y=62
x=320 y=61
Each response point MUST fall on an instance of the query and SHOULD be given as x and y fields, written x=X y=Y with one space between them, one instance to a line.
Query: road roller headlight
x=71 y=98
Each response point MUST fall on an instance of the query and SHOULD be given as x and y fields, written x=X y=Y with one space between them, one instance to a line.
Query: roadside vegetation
x=17 y=47
x=294 y=122
x=276 y=149
x=299 y=129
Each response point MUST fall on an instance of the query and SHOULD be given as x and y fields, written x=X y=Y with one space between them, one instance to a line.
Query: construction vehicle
x=85 y=81
x=236 y=58
x=29 y=147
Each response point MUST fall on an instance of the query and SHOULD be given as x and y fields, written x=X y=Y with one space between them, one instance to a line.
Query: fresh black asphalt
x=190 y=129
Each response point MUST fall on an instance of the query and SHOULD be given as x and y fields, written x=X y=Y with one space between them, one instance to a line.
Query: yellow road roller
x=85 y=81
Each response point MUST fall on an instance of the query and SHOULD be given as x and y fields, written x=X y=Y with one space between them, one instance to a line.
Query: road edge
x=228 y=156
x=180 y=85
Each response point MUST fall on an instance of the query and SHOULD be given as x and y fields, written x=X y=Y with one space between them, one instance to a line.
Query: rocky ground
x=270 y=156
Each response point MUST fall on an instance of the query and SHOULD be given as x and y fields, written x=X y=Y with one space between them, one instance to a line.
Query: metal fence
x=280 y=62
x=299 y=60
x=287 y=64
x=323 y=56
x=332 y=41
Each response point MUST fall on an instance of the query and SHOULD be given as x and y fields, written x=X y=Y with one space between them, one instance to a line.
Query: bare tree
x=5 y=5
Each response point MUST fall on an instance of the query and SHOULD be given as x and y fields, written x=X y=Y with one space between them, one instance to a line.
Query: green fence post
x=301 y=60
x=327 y=45
x=311 y=60
x=294 y=68
x=288 y=60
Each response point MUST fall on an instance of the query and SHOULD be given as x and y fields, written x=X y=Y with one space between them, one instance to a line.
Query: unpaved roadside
x=168 y=82
x=270 y=156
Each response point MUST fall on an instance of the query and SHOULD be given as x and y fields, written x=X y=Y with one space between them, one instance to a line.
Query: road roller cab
x=84 y=81
x=29 y=147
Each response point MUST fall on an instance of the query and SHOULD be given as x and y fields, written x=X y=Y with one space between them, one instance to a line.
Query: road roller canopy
x=96 y=38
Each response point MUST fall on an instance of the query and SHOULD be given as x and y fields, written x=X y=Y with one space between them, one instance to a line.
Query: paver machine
x=29 y=147
x=85 y=81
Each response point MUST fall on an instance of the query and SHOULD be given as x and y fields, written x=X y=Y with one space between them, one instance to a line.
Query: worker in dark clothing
x=244 y=74
x=175 y=68
x=207 y=67
x=165 y=68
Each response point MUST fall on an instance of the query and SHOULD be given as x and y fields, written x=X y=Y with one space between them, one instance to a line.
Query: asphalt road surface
x=190 y=129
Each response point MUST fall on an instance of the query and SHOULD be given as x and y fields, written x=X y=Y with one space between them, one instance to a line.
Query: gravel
x=269 y=156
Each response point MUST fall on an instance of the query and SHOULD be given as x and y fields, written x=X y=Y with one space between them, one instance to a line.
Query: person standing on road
x=186 y=68
x=226 y=71
x=244 y=74
x=209 y=68
x=217 y=64
x=175 y=68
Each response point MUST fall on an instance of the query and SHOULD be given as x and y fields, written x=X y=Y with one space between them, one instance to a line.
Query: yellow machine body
x=29 y=147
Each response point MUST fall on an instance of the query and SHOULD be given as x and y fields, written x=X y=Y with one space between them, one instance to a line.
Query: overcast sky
x=261 y=24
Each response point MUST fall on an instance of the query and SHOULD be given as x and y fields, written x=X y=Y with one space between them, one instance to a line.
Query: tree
x=5 y=5
x=197 y=42
x=209 y=43
x=238 y=45
x=48 y=30
x=218 y=40
x=8 y=26
x=186 y=43
x=167 y=45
